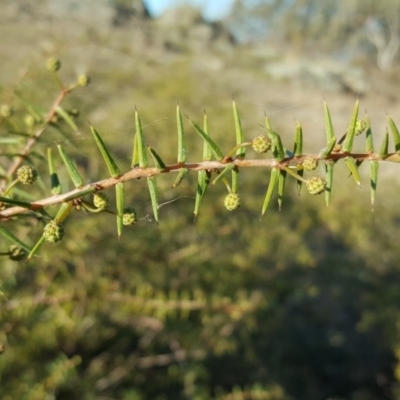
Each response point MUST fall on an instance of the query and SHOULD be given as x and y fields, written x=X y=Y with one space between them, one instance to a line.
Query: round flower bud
x=29 y=120
x=53 y=64
x=53 y=232
x=129 y=217
x=310 y=163
x=100 y=200
x=316 y=185
x=6 y=111
x=83 y=80
x=27 y=174
x=16 y=253
x=232 y=201
x=261 y=144
x=360 y=127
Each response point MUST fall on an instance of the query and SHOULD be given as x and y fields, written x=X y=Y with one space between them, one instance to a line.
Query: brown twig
x=136 y=173
x=18 y=160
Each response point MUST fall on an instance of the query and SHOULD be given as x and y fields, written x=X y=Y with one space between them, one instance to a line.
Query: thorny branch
x=137 y=173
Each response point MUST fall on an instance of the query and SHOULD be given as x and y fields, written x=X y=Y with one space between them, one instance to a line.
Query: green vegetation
x=300 y=304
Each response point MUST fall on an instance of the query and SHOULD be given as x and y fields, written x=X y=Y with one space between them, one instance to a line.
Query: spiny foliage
x=18 y=172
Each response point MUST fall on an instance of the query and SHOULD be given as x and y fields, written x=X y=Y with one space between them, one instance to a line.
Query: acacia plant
x=18 y=171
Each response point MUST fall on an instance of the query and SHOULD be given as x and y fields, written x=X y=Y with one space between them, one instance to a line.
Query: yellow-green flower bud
x=100 y=200
x=261 y=144
x=53 y=232
x=16 y=253
x=232 y=201
x=83 y=80
x=129 y=217
x=53 y=64
x=310 y=163
x=316 y=185
x=27 y=174
x=360 y=127
x=29 y=120
x=6 y=111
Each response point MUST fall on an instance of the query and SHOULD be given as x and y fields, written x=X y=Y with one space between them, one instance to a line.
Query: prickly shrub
x=215 y=167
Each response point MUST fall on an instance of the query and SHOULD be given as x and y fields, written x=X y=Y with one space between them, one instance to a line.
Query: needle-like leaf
x=120 y=203
x=111 y=165
x=278 y=150
x=71 y=168
x=281 y=187
x=135 y=152
x=224 y=173
x=326 y=151
x=67 y=118
x=351 y=130
x=141 y=146
x=152 y=183
x=181 y=137
x=181 y=174
x=207 y=152
x=395 y=134
x=19 y=203
x=235 y=180
x=63 y=212
x=36 y=247
x=272 y=183
x=159 y=163
x=241 y=152
x=203 y=180
x=54 y=181
x=384 y=150
x=369 y=143
x=330 y=135
x=8 y=235
x=329 y=166
x=298 y=141
x=351 y=164
x=214 y=147
x=374 y=169
x=299 y=183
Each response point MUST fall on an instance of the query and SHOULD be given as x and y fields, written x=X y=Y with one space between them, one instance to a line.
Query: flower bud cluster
x=310 y=163
x=27 y=174
x=53 y=232
x=6 y=111
x=53 y=64
x=100 y=200
x=232 y=201
x=83 y=80
x=316 y=185
x=261 y=144
x=360 y=127
x=129 y=217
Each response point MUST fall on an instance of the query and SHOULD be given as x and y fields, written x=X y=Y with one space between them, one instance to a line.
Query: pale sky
x=212 y=9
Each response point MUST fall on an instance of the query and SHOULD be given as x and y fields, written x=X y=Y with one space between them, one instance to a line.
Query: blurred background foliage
x=302 y=305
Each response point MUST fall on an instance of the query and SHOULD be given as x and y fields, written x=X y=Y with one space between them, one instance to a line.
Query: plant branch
x=20 y=158
x=138 y=172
